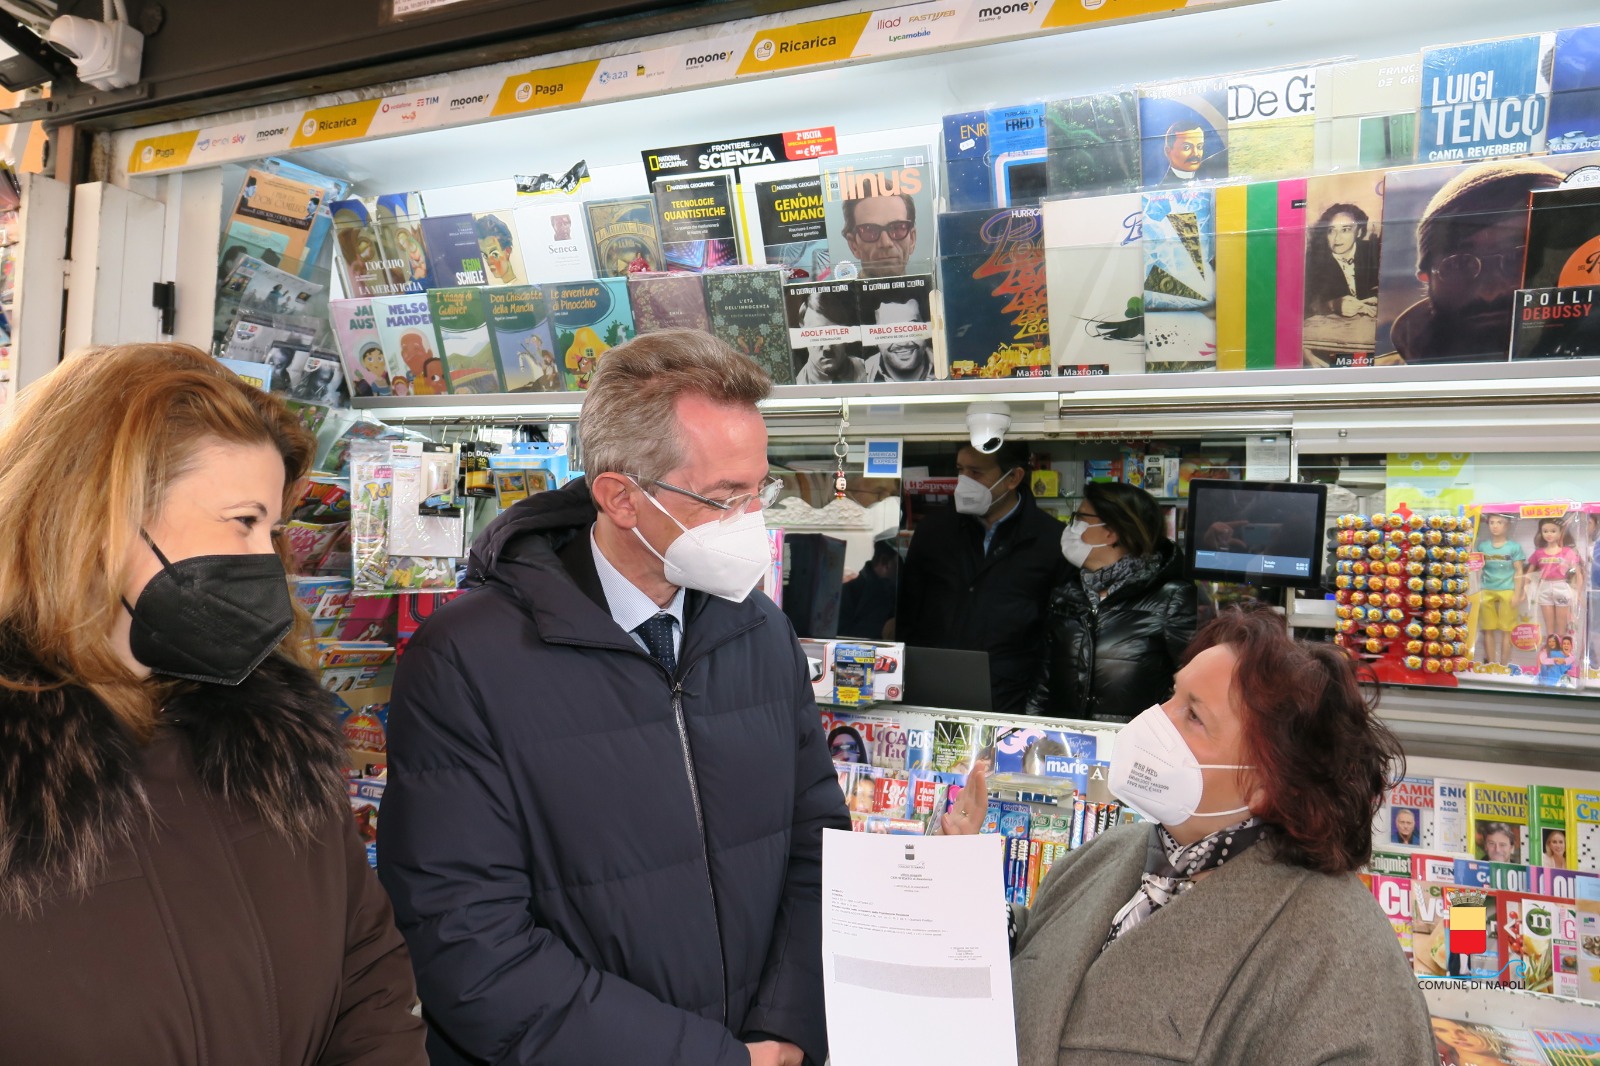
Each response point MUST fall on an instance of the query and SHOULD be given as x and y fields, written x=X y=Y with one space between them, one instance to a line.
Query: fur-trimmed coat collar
x=70 y=792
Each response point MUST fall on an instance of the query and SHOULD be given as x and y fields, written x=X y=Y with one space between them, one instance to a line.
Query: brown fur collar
x=69 y=785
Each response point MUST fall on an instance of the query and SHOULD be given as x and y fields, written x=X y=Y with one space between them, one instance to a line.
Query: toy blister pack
x=1402 y=594
x=1529 y=568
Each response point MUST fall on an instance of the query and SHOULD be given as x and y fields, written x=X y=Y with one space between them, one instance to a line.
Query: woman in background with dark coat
x=1118 y=624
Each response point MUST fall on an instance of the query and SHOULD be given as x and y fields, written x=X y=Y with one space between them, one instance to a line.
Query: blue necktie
x=657 y=636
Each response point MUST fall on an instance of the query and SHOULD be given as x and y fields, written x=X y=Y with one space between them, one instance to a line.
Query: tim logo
x=764 y=49
x=308 y=128
x=524 y=93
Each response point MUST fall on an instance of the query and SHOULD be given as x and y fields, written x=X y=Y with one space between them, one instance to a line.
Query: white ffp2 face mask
x=725 y=559
x=1073 y=547
x=975 y=498
x=1154 y=772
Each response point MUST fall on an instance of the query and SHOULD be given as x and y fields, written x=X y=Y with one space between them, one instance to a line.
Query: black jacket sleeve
x=452 y=854
x=913 y=584
x=1183 y=618
x=788 y=1003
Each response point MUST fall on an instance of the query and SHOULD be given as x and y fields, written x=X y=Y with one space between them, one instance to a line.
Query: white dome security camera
x=107 y=54
x=987 y=424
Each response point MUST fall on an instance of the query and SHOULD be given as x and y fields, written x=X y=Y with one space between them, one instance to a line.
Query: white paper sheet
x=914 y=954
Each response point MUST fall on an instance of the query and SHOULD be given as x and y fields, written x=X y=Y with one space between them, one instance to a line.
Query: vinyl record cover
x=699 y=228
x=1563 y=239
x=1183 y=127
x=1094 y=264
x=497 y=240
x=794 y=234
x=1367 y=113
x=1260 y=274
x=969 y=183
x=825 y=333
x=1092 y=144
x=1343 y=246
x=524 y=344
x=454 y=258
x=365 y=367
x=625 y=235
x=405 y=328
x=317 y=379
x=668 y=301
x=1556 y=323
x=996 y=308
x=747 y=313
x=897 y=328
x=1575 y=91
x=1017 y=154
x=589 y=318
x=466 y=344
x=1485 y=99
x=1180 y=279
x=1432 y=216
x=879 y=213
x=1272 y=123
x=555 y=244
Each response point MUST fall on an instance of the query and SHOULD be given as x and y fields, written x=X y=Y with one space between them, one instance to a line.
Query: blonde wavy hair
x=86 y=459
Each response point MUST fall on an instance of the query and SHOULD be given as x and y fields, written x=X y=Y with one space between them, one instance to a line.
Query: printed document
x=915 y=960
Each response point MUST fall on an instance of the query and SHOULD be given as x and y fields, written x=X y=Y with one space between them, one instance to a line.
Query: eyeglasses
x=871 y=232
x=733 y=506
x=1083 y=516
x=1464 y=266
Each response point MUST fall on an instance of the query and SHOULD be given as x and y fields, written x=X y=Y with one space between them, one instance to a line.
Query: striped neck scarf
x=1170 y=869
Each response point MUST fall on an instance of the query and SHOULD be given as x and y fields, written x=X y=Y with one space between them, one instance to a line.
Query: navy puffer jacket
x=595 y=863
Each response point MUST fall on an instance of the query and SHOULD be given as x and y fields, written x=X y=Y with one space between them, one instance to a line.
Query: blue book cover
x=454 y=258
x=1183 y=130
x=968 y=180
x=1575 y=91
x=588 y=318
x=1017 y=162
x=1485 y=99
x=997 y=319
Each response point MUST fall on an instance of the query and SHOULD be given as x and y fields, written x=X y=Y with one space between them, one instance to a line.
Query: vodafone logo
x=764 y=49
x=524 y=93
x=308 y=128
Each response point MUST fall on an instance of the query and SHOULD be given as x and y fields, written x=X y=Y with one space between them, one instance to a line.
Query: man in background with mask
x=608 y=781
x=978 y=577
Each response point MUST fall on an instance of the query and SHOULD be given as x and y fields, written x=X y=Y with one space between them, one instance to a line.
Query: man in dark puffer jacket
x=604 y=849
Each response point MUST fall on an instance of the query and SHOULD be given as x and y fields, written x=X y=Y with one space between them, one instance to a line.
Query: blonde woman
x=180 y=879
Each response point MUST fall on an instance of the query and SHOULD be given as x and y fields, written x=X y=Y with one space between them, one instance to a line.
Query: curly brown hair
x=1322 y=758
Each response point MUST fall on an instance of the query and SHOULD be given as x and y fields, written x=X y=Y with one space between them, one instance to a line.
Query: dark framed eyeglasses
x=1464 y=266
x=1088 y=518
x=732 y=507
x=871 y=232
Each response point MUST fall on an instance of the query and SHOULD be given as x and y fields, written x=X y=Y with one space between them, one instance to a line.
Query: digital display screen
x=1259 y=533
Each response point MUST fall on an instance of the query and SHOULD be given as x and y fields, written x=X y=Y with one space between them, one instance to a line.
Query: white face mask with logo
x=975 y=498
x=1154 y=772
x=725 y=559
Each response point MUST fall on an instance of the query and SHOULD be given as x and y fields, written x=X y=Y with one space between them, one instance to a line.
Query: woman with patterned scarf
x=1119 y=622
x=1233 y=931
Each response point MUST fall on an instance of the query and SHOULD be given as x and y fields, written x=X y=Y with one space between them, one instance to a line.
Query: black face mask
x=211 y=618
